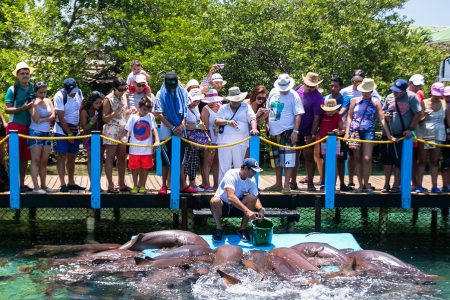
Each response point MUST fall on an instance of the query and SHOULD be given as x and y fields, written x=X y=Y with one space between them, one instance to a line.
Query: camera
x=221 y=128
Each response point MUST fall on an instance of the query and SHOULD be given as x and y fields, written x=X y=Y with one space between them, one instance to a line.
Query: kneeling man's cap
x=252 y=164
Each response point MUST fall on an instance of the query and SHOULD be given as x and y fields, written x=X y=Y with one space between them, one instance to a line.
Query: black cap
x=69 y=85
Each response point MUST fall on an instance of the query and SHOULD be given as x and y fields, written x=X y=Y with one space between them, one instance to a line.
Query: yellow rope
x=296 y=147
x=131 y=144
x=215 y=146
x=369 y=142
x=54 y=138
x=431 y=143
x=4 y=139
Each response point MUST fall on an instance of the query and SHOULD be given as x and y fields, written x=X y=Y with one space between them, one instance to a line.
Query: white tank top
x=212 y=119
x=43 y=112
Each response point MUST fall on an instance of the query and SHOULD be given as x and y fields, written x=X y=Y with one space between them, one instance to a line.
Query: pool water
x=431 y=254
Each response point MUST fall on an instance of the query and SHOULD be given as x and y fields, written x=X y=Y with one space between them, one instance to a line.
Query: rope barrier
x=131 y=144
x=215 y=146
x=54 y=138
x=368 y=142
x=4 y=139
x=431 y=143
x=295 y=147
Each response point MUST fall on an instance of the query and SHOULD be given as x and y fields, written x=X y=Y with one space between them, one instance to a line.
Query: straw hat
x=284 y=83
x=212 y=96
x=330 y=105
x=311 y=79
x=367 y=85
x=20 y=66
x=235 y=95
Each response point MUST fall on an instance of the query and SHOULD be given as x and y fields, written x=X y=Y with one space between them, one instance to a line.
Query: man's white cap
x=417 y=79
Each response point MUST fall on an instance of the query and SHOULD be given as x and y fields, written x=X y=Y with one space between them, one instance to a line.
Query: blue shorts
x=367 y=135
x=33 y=143
x=63 y=146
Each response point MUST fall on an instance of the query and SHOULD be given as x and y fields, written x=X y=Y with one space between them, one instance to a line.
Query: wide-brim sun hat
x=311 y=79
x=367 y=85
x=196 y=95
x=284 y=83
x=22 y=65
x=235 y=94
x=192 y=82
x=216 y=77
x=330 y=105
x=212 y=96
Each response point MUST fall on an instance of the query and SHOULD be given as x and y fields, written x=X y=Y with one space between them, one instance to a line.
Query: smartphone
x=220 y=66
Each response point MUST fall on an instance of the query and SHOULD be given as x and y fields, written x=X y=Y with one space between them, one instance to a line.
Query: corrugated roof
x=438 y=34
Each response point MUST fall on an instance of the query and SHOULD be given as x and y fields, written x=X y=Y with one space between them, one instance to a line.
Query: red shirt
x=328 y=123
x=420 y=95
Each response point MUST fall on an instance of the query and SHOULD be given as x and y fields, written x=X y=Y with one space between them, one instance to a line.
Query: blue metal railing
x=330 y=169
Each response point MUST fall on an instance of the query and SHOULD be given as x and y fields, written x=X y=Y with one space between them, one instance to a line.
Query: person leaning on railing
x=18 y=101
x=236 y=120
x=67 y=103
x=432 y=129
x=42 y=113
x=361 y=118
x=401 y=112
x=115 y=115
x=91 y=120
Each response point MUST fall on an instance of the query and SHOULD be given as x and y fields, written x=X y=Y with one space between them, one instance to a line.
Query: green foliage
x=256 y=39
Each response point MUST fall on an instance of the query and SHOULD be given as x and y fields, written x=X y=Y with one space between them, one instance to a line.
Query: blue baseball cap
x=70 y=85
x=251 y=163
x=400 y=85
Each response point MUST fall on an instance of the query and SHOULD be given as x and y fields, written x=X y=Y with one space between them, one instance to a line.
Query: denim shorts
x=34 y=143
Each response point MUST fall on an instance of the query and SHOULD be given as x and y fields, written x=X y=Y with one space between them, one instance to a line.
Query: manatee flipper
x=227 y=278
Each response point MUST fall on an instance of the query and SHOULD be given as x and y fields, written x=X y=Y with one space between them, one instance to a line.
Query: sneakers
x=344 y=188
x=245 y=236
x=64 y=189
x=75 y=187
x=435 y=189
x=135 y=190
x=189 y=190
x=199 y=189
x=420 y=189
x=163 y=190
x=218 y=235
x=445 y=189
x=142 y=190
x=25 y=189
x=39 y=191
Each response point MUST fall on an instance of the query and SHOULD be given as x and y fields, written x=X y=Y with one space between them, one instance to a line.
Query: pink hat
x=447 y=90
x=437 y=89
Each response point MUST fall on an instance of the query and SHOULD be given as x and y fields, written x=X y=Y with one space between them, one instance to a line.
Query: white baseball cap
x=417 y=79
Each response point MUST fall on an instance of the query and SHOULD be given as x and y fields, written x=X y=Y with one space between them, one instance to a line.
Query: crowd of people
x=207 y=114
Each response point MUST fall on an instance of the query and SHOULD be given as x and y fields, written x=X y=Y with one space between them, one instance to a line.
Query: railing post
x=330 y=170
x=14 y=170
x=175 y=167
x=96 y=165
x=158 y=158
x=406 y=172
x=255 y=144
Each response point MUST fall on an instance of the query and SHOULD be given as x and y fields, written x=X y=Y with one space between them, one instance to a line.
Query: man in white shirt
x=285 y=108
x=67 y=105
x=230 y=198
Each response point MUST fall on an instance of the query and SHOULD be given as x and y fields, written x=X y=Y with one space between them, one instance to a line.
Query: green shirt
x=22 y=96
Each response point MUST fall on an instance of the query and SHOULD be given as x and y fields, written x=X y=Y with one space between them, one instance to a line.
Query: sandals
x=273 y=188
x=311 y=188
x=386 y=188
x=125 y=189
x=112 y=191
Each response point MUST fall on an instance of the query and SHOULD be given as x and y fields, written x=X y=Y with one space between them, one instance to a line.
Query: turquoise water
x=431 y=254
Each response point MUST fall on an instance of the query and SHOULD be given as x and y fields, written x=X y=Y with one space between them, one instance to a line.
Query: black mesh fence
x=119 y=224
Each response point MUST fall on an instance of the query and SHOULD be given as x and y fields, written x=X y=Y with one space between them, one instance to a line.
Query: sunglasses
x=261 y=98
x=41 y=84
x=140 y=84
x=121 y=89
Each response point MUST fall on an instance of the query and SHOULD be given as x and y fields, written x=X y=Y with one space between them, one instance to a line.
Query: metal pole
x=175 y=167
x=406 y=172
x=330 y=170
x=14 y=170
x=96 y=165
x=255 y=143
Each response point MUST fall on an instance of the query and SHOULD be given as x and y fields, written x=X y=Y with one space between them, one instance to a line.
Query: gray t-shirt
x=231 y=179
x=408 y=105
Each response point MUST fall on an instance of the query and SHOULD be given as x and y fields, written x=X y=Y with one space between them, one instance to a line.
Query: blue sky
x=428 y=12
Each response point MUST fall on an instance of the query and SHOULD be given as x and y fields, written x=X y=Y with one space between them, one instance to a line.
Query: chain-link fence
x=118 y=225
